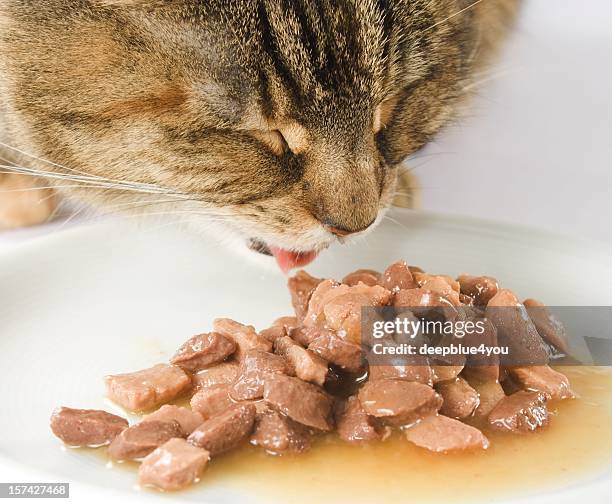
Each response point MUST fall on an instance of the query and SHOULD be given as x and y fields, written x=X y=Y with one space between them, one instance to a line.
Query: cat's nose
x=341 y=231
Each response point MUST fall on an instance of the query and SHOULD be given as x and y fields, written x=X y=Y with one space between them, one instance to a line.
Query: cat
x=280 y=122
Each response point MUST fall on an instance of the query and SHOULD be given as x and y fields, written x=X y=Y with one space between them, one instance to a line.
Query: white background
x=535 y=145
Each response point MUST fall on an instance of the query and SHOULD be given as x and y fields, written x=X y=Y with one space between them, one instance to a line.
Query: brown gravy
x=577 y=445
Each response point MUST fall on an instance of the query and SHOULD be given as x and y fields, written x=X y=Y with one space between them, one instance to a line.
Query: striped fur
x=278 y=115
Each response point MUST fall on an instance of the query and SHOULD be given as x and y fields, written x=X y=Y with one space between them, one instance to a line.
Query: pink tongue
x=288 y=260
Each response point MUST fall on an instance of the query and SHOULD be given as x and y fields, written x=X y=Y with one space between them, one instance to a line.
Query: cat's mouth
x=286 y=259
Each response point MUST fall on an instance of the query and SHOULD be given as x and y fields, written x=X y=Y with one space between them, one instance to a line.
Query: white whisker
x=454 y=15
x=39 y=188
x=386 y=216
x=71 y=217
x=487 y=78
x=129 y=205
x=83 y=177
x=42 y=160
x=11 y=163
x=91 y=182
x=172 y=213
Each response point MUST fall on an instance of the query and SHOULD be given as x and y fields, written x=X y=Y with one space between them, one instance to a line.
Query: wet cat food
x=173 y=465
x=143 y=390
x=319 y=373
x=80 y=427
x=141 y=439
x=226 y=430
x=187 y=418
x=277 y=433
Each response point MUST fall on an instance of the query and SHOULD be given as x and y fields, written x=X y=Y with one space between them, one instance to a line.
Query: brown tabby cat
x=282 y=121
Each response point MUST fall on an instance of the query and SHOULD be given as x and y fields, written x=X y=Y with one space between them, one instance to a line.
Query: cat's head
x=285 y=120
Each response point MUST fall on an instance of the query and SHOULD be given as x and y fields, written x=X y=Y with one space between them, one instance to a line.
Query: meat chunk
x=303 y=402
x=203 y=350
x=323 y=293
x=516 y=330
x=211 y=401
x=141 y=439
x=343 y=354
x=548 y=326
x=482 y=367
x=255 y=366
x=302 y=363
x=277 y=434
x=365 y=276
x=273 y=333
x=421 y=373
x=353 y=423
x=282 y=326
x=439 y=433
x=490 y=393
x=245 y=336
x=460 y=400
x=422 y=278
x=423 y=303
x=509 y=384
x=520 y=412
x=186 y=418
x=384 y=365
x=301 y=286
x=174 y=465
x=288 y=322
x=343 y=315
x=305 y=335
x=397 y=277
x=324 y=299
x=377 y=295
x=221 y=374
x=397 y=402
x=543 y=379
x=466 y=300
x=225 y=431
x=83 y=427
x=442 y=286
x=343 y=312
x=447 y=367
x=146 y=389
x=480 y=288
x=447 y=372
x=261 y=408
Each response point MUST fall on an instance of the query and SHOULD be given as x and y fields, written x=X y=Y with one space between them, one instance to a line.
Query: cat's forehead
x=289 y=72
x=326 y=66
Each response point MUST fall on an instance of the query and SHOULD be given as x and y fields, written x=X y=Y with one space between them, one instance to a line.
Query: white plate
x=112 y=297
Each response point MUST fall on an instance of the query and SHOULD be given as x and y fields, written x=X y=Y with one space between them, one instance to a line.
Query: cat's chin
x=266 y=253
x=257 y=250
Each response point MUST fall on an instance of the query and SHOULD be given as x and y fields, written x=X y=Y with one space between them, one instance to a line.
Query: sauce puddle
x=577 y=445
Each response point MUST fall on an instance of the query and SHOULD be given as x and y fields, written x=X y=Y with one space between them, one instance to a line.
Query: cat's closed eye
x=273 y=140
x=283 y=137
x=384 y=112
